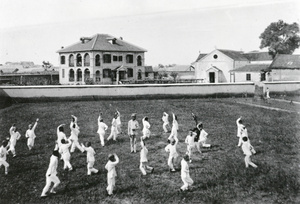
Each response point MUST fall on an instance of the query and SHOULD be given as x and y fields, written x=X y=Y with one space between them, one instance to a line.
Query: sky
x=172 y=31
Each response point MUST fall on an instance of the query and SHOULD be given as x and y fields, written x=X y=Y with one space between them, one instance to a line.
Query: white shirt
x=172 y=149
x=203 y=135
x=146 y=125
x=118 y=118
x=184 y=168
x=14 y=137
x=239 y=127
x=52 y=166
x=60 y=136
x=101 y=127
x=144 y=153
x=3 y=153
x=246 y=147
x=165 y=118
x=64 y=148
x=132 y=126
x=90 y=156
x=30 y=132
x=74 y=133
x=111 y=168
x=190 y=140
x=114 y=123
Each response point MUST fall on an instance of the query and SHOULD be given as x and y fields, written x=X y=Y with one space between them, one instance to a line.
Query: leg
x=134 y=143
x=47 y=186
x=198 y=147
x=101 y=139
x=185 y=184
x=142 y=168
x=240 y=141
x=56 y=182
x=5 y=164
x=165 y=127
x=251 y=163
x=131 y=143
x=72 y=147
x=170 y=163
x=78 y=146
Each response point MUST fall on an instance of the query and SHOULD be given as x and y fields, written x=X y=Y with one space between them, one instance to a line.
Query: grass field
x=219 y=173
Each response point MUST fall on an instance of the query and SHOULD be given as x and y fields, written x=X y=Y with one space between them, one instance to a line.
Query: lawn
x=219 y=173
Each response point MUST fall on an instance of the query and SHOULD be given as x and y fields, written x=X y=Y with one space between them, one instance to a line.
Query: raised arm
x=74 y=118
x=35 y=124
x=57 y=130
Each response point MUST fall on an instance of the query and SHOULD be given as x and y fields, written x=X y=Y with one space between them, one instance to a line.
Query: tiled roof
x=200 y=57
x=235 y=55
x=252 y=68
x=148 y=69
x=282 y=61
x=258 y=56
x=102 y=42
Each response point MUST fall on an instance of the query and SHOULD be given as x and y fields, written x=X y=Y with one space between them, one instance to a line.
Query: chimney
x=121 y=38
x=62 y=47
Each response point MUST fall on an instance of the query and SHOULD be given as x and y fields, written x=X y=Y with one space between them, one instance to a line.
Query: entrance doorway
x=211 y=77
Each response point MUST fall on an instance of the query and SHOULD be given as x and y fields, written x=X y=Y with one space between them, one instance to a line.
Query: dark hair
x=186 y=157
x=63 y=141
x=88 y=144
x=101 y=120
x=61 y=128
x=4 y=143
x=55 y=153
x=176 y=117
x=240 y=121
x=74 y=125
x=146 y=118
x=111 y=158
x=245 y=139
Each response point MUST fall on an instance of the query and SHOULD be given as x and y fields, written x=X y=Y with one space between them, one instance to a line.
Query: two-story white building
x=101 y=59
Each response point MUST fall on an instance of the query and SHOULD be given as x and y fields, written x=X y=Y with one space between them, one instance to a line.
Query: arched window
x=139 y=61
x=79 y=75
x=71 y=75
x=78 y=60
x=129 y=72
x=62 y=60
x=139 y=74
x=98 y=76
x=97 y=60
x=71 y=61
x=86 y=59
x=86 y=74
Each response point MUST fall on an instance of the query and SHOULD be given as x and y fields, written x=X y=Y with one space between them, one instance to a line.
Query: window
x=106 y=73
x=98 y=76
x=71 y=61
x=86 y=74
x=115 y=58
x=97 y=60
x=78 y=60
x=63 y=73
x=62 y=59
x=86 y=59
x=139 y=61
x=129 y=72
x=215 y=56
x=139 y=75
x=79 y=75
x=120 y=58
x=248 y=77
x=129 y=59
x=146 y=74
x=106 y=58
x=71 y=75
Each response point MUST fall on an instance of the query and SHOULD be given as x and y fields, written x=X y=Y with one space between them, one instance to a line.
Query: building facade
x=101 y=59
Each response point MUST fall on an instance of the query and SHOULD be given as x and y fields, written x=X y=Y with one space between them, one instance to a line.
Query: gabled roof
x=283 y=61
x=215 y=68
x=258 y=56
x=102 y=42
x=200 y=57
x=252 y=68
x=148 y=69
x=235 y=55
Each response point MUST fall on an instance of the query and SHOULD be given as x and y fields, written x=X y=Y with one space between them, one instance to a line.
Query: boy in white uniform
x=240 y=126
x=114 y=130
x=146 y=128
x=3 y=153
x=133 y=126
x=51 y=174
x=245 y=134
x=13 y=141
x=190 y=141
x=90 y=158
x=65 y=154
x=74 y=134
x=185 y=173
x=202 y=138
x=110 y=166
x=171 y=148
x=31 y=135
x=102 y=127
x=119 y=130
x=165 y=119
x=174 y=130
x=12 y=128
x=246 y=147
x=144 y=160
x=60 y=134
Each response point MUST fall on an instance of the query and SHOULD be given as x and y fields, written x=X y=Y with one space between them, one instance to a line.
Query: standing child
x=13 y=141
x=240 y=126
x=114 y=131
x=133 y=126
x=11 y=129
x=174 y=130
x=171 y=148
x=185 y=173
x=65 y=153
x=51 y=174
x=113 y=160
x=165 y=119
x=202 y=138
x=191 y=145
x=144 y=161
x=31 y=135
x=3 y=153
x=246 y=147
x=74 y=135
x=102 y=127
x=119 y=130
x=90 y=158
x=146 y=128
x=245 y=134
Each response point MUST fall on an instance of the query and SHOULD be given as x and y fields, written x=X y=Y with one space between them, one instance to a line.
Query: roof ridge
x=94 y=43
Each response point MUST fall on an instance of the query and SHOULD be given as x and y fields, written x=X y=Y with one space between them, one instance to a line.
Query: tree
x=280 y=38
x=174 y=75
